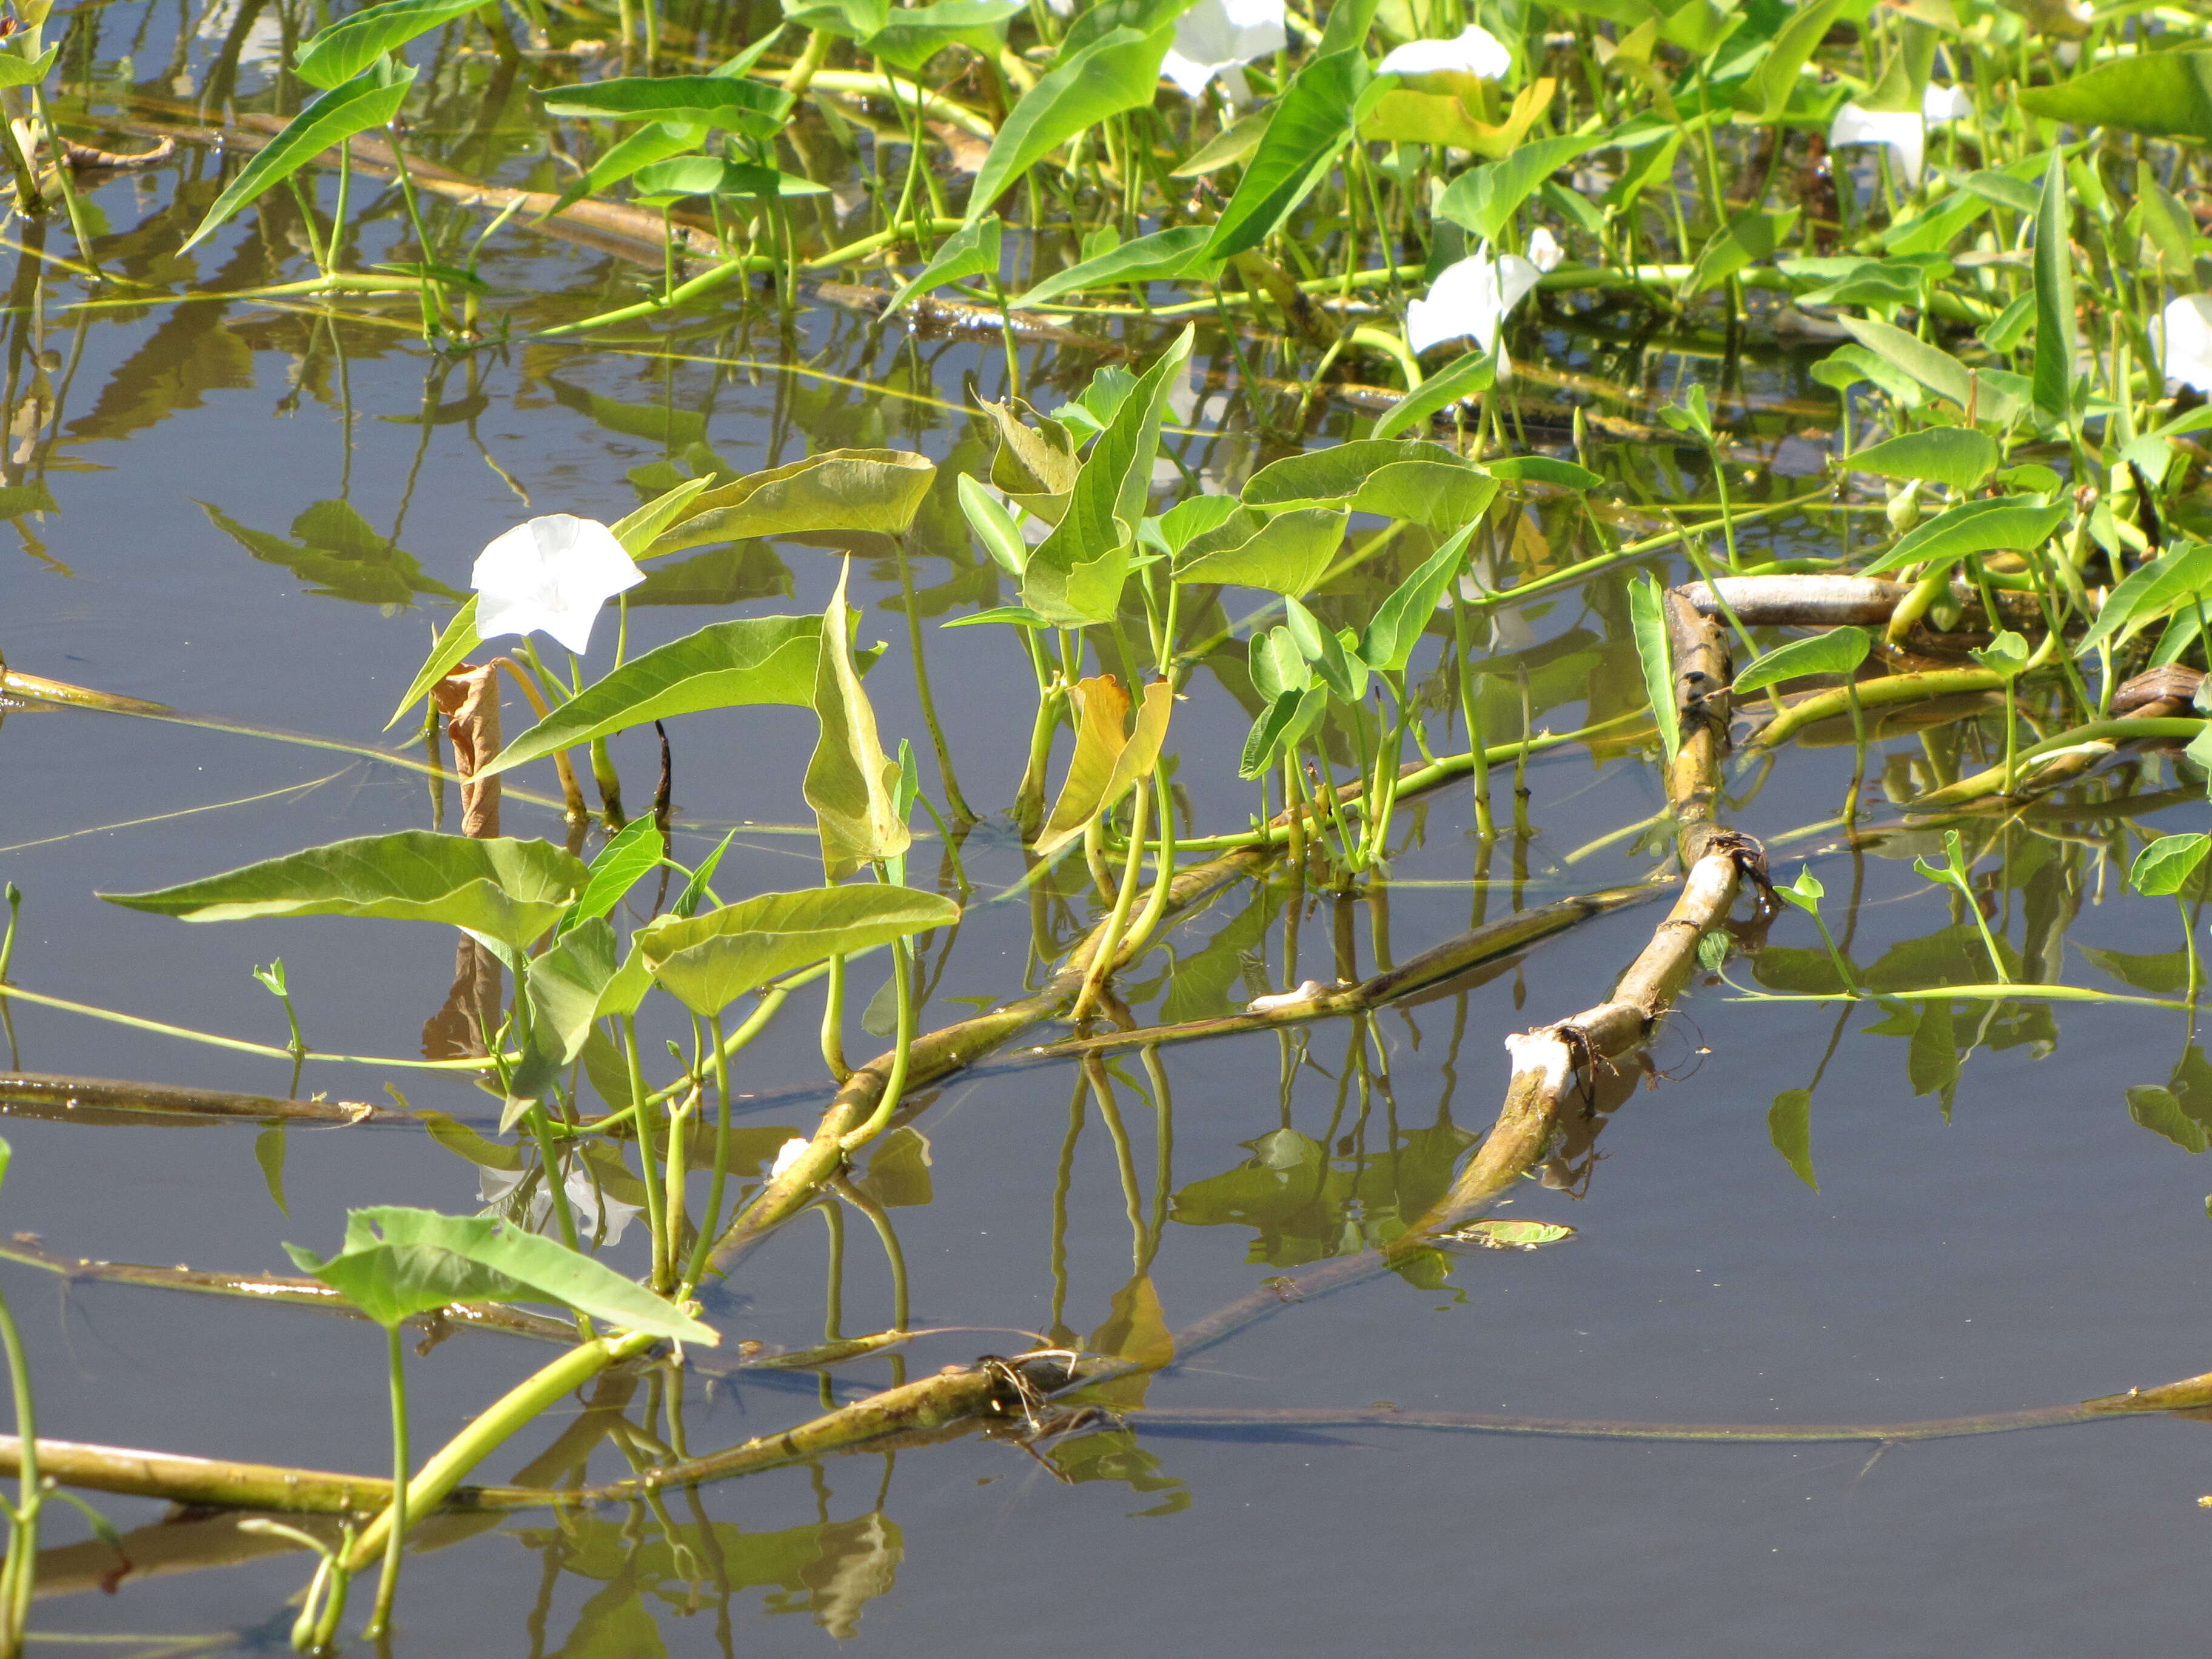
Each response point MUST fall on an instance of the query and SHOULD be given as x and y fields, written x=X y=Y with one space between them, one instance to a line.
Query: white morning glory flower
x=2188 y=343
x=1472 y=298
x=551 y=575
x=1946 y=103
x=1544 y=249
x=1474 y=51
x=1903 y=131
x=1218 y=37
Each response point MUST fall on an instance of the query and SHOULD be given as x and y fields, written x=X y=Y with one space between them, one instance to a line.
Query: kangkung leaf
x=1336 y=476
x=2055 y=340
x=1075 y=575
x=753 y=659
x=510 y=891
x=369 y=100
x=454 y=641
x=1161 y=257
x=1120 y=70
x=1438 y=495
x=1956 y=457
x=1484 y=200
x=1647 y=618
x=2010 y=523
x=708 y=961
x=634 y=853
x=2150 y=591
x=1288 y=553
x=2165 y=866
x=1108 y=759
x=399 y=1262
x=2166 y=94
x=837 y=491
x=970 y=250
x=749 y=108
x=1315 y=121
x=851 y=784
x=1389 y=639
x=1839 y=650
x=1467 y=376
x=336 y=54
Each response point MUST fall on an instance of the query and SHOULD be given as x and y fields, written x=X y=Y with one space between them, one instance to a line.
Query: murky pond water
x=259 y=511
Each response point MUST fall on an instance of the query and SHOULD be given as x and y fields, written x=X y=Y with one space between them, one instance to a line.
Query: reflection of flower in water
x=592 y=1205
x=858 y=1562
x=1217 y=38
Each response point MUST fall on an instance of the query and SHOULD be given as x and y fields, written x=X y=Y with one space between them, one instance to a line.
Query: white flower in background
x=551 y=575
x=787 y=1155
x=2188 y=343
x=1472 y=298
x=1946 y=103
x=1218 y=37
x=1903 y=131
x=1474 y=51
x=1544 y=249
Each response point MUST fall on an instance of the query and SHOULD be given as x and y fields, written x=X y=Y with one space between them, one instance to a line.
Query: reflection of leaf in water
x=1137 y=1329
x=1114 y=1455
x=1200 y=987
x=656 y=423
x=340 y=553
x=2155 y=971
x=1932 y=1064
x=1797 y=971
x=831 y=1569
x=16 y=500
x=723 y=576
x=2157 y=1109
x=1790 y=1125
x=1949 y=956
x=1305 y=1208
x=615 y=1624
x=898 y=1173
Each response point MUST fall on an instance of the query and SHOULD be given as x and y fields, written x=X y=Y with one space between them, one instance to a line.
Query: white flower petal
x=1469 y=299
x=1946 y=103
x=1474 y=51
x=1215 y=36
x=551 y=575
x=2187 y=327
x=1544 y=249
x=1903 y=131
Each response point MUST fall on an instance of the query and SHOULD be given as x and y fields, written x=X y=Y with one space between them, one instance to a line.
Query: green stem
x=387 y=1587
x=23 y=1522
x=1109 y=943
x=894 y=1085
x=506 y=1417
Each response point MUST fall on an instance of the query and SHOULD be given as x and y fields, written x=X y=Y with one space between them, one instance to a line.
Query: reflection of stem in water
x=1063 y=1182
x=955 y=803
x=880 y=1219
x=1133 y=1194
x=1163 y=1156
x=833 y=1296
